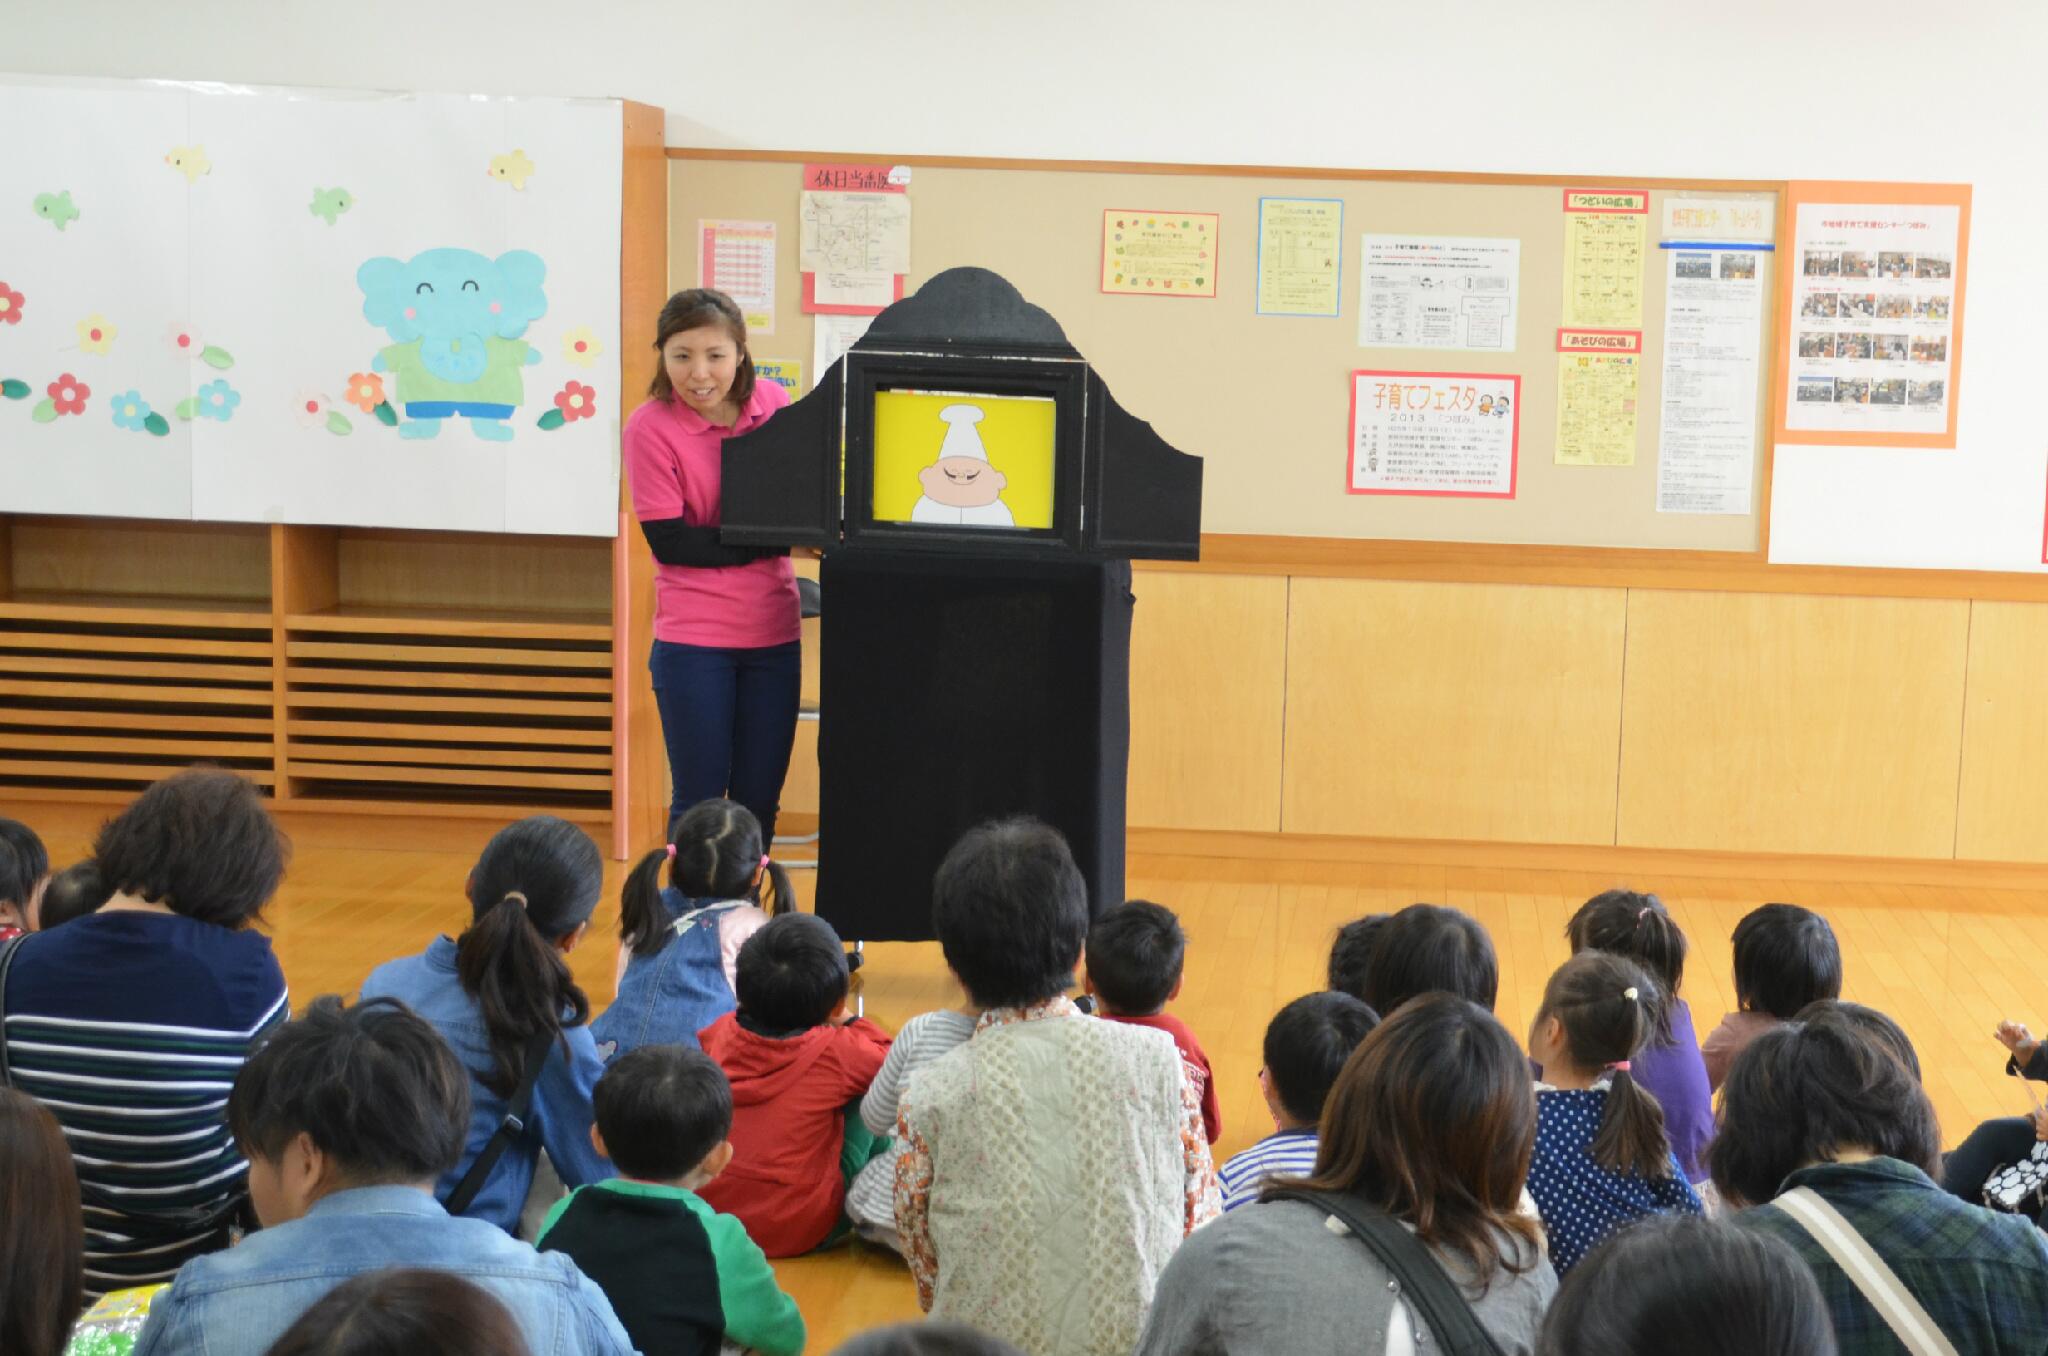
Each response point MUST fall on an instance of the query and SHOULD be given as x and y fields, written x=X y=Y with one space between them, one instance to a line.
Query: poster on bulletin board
x=1159 y=254
x=1454 y=434
x=1871 y=307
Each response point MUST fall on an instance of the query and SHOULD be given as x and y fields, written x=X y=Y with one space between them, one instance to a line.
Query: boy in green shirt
x=682 y=1278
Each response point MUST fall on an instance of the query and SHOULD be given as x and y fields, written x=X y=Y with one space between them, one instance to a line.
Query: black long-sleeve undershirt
x=675 y=542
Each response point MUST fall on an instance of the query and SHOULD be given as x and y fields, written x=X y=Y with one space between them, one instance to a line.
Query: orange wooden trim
x=302 y=699
x=112 y=772
x=374 y=731
x=174 y=721
x=494 y=656
x=234 y=614
x=303 y=675
x=1265 y=854
x=1218 y=171
x=124 y=666
x=482 y=623
x=142 y=694
x=1801 y=191
x=600 y=761
x=1585 y=567
x=310 y=770
x=153 y=646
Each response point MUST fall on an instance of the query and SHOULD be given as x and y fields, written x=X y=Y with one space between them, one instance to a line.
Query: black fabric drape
x=953 y=690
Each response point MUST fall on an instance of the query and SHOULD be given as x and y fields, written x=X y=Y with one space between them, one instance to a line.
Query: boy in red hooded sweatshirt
x=795 y=1059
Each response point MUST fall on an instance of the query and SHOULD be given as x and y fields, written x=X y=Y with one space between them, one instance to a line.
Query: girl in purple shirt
x=726 y=662
x=1669 y=1067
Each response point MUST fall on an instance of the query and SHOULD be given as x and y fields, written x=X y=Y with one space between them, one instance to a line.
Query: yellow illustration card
x=964 y=460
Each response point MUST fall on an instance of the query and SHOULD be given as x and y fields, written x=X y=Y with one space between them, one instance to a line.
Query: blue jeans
x=729 y=719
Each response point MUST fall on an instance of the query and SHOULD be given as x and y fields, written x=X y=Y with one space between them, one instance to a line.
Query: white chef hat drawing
x=963 y=439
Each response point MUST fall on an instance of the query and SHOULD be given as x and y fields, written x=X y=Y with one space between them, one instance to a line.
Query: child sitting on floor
x=1640 y=927
x=1307 y=1043
x=682 y=1278
x=1602 y=1159
x=1132 y=967
x=24 y=872
x=1351 y=954
x=795 y=1057
x=74 y=892
x=1785 y=958
x=679 y=945
x=871 y=1200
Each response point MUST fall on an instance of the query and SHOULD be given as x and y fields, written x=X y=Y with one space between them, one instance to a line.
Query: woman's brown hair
x=42 y=1231
x=697 y=308
x=1433 y=1120
x=1609 y=1007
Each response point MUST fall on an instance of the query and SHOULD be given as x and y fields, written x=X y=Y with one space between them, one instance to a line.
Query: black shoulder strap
x=7 y=950
x=515 y=1121
x=1422 y=1280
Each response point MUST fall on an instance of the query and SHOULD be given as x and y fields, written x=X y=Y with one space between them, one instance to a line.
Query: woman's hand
x=2015 y=1037
x=806 y=553
x=2041 y=1123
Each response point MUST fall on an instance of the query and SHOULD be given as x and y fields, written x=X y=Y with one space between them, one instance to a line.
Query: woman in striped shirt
x=130 y=1024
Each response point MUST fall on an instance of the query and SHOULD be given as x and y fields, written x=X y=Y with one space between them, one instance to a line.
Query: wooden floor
x=1947 y=962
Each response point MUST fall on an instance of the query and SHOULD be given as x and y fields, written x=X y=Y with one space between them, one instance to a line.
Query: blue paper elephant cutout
x=455 y=319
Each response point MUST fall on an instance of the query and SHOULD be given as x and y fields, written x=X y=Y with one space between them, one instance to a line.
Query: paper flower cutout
x=96 y=334
x=312 y=408
x=56 y=208
x=189 y=161
x=217 y=400
x=67 y=396
x=581 y=347
x=365 y=391
x=131 y=411
x=329 y=203
x=184 y=340
x=513 y=167
x=576 y=401
x=11 y=303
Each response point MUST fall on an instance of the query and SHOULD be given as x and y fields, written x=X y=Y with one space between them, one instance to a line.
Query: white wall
x=1741 y=89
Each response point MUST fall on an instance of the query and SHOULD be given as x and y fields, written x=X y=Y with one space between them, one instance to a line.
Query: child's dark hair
x=24 y=861
x=375 y=1086
x=1607 y=1005
x=74 y=892
x=1680 y=1285
x=714 y=852
x=932 y=1337
x=661 y=1109
x=1133 y=957
x=696 y=308
x=1638 y=926
x=1011 y=912
x=42 y=1236
x=1427 y=948
x=1307 y=1043
x=1351 y=953
x=1881 y=1029
x=537 y=881
x=199 y=841
x=405 y=1309
x=1785 y=958
x=791 y=974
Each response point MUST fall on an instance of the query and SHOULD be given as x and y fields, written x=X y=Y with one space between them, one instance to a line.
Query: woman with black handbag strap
x=1408 y=1237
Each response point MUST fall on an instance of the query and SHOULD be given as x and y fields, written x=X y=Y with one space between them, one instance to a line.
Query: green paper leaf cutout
x=187 y=408
x=157 y=424
x=215 y=356
x=338 y=424
x=551 y=421
x=14 y=390
x=386 y=416
x=46 y=410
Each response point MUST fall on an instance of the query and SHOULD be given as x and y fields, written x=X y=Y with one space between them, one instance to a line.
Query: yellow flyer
x=1605 y=234
x=787 y=373
x=1597 y=372
x=1159 y=254
x=1301 y=252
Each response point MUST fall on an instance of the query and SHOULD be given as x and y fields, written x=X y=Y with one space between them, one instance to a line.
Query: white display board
x=310 y=307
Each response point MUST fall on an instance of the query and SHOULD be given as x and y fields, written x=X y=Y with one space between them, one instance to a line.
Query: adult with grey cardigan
x=1433 y=1122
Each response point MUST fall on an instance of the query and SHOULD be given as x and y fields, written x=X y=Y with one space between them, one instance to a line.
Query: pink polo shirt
x=672 y=462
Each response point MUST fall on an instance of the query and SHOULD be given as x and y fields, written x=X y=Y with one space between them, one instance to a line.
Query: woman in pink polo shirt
x=726 y=667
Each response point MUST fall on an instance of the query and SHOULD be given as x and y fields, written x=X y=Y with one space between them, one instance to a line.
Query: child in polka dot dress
x=1602 y=1158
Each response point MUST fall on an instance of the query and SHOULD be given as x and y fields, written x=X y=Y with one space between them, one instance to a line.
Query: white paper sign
x=1443 y=292
x=1435 y=433
x=1713 y=314
x=831 y=337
